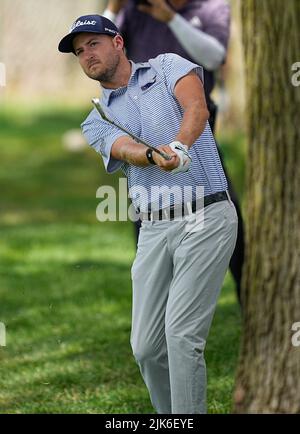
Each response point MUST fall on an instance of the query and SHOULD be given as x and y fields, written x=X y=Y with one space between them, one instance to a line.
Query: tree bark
x=268 y=375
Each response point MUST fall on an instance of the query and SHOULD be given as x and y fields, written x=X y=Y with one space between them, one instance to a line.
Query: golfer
x=180 y=262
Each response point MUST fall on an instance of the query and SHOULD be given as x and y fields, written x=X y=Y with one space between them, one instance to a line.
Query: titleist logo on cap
x=82 y=23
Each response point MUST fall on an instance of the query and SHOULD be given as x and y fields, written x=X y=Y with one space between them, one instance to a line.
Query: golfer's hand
x=185 y=159
x=159 y=10
x=167 y=165
x=116 y=5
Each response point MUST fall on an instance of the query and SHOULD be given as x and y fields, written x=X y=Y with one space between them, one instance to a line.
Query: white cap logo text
x=82 y=23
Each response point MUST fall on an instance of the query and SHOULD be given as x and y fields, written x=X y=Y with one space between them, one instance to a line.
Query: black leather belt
x=170 y=213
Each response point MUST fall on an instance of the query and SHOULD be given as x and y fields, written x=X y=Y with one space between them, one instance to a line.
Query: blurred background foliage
x=65 y=290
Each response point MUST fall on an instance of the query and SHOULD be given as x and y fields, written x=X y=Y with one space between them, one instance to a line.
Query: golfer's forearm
x=126 y=149
x=193 y=124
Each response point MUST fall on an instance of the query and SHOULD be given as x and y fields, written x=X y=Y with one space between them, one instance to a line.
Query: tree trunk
x=268 y=375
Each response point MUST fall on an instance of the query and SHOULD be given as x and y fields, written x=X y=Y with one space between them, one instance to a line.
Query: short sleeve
x=101 y=136
x=175 y=67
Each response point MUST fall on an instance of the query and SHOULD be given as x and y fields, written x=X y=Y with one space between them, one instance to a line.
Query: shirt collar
x=135 y=67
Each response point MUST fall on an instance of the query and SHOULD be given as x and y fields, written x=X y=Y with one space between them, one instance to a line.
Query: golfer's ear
x=118 y=42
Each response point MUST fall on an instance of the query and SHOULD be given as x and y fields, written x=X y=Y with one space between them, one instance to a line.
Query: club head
x=95 y=100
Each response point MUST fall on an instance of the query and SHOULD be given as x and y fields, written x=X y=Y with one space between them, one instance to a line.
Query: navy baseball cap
x=87 y=24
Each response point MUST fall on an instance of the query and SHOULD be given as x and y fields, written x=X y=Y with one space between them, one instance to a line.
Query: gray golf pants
x=177 y=276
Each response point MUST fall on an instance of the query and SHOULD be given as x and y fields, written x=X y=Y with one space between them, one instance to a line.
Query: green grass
x=65 y=285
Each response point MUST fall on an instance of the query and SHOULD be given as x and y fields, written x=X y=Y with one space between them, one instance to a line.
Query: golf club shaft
x=99 y=109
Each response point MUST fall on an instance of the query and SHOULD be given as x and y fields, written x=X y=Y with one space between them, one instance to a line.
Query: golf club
x=98 y=107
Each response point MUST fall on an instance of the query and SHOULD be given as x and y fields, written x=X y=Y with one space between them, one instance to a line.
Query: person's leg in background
x=237 y=259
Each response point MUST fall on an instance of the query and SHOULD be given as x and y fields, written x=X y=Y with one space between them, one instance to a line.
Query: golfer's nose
x=88 y=54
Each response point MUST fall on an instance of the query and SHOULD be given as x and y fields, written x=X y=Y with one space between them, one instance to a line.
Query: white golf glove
x=184 y=157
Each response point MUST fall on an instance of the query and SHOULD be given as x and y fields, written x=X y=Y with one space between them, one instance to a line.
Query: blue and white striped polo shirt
x=148 y=108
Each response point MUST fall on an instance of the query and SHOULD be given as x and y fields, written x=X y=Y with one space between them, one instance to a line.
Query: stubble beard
x=109 y=72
